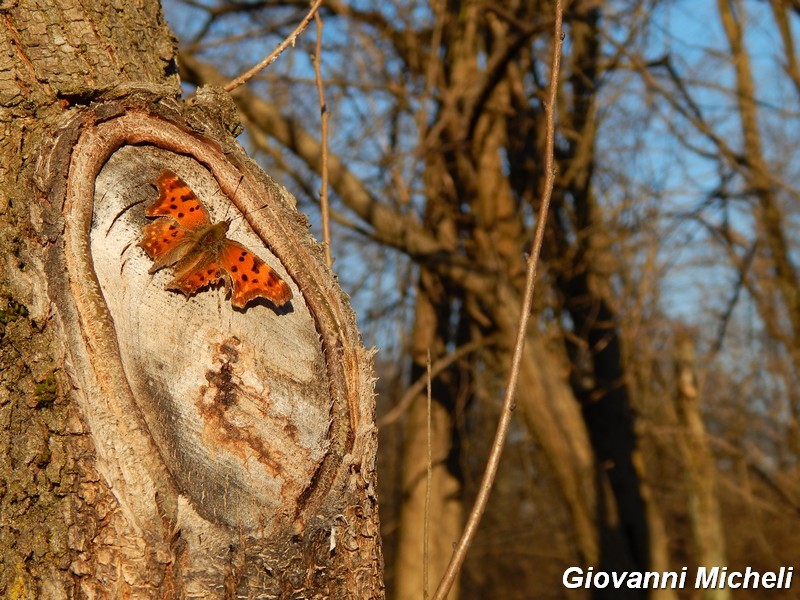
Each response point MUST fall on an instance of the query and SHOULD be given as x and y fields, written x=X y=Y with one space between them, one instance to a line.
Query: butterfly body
x=200 y=252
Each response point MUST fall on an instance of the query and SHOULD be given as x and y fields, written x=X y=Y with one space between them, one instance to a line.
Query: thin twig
x=440 y=365
x=460 y=551
x=289 y=41
x=428 y=482
x=323 y=111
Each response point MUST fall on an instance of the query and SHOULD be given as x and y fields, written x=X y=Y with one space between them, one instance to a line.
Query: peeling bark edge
x=80 y=149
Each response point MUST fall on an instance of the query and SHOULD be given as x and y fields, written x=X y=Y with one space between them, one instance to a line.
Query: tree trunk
x=585 y=267
x=701 y=480
x=155 y=446
x=444 y=508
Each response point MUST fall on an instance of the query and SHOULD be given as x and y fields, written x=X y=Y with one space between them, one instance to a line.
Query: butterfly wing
x=184 y=235
x=177 y=201
x=164 y=241
x=193 y=275
x=167 y=240
x=251 y=277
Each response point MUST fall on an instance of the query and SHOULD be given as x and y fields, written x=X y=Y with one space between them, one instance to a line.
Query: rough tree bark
x=153 y=446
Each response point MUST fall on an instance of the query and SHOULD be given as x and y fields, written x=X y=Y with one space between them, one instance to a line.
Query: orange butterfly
x=199 y=251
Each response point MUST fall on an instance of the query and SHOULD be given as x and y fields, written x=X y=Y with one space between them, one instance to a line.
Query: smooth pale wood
x=199 y=526
x=235 y=399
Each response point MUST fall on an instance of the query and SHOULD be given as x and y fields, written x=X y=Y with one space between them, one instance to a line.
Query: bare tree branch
x=273 y=56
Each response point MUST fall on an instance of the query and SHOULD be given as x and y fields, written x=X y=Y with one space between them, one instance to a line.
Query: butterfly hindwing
x=251 y=277
x=195 y=275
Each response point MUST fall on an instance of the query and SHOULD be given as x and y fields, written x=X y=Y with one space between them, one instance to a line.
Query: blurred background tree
x=657 y=416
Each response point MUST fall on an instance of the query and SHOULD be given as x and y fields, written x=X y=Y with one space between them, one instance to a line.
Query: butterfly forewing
x=162 y=238
x=177 y=201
